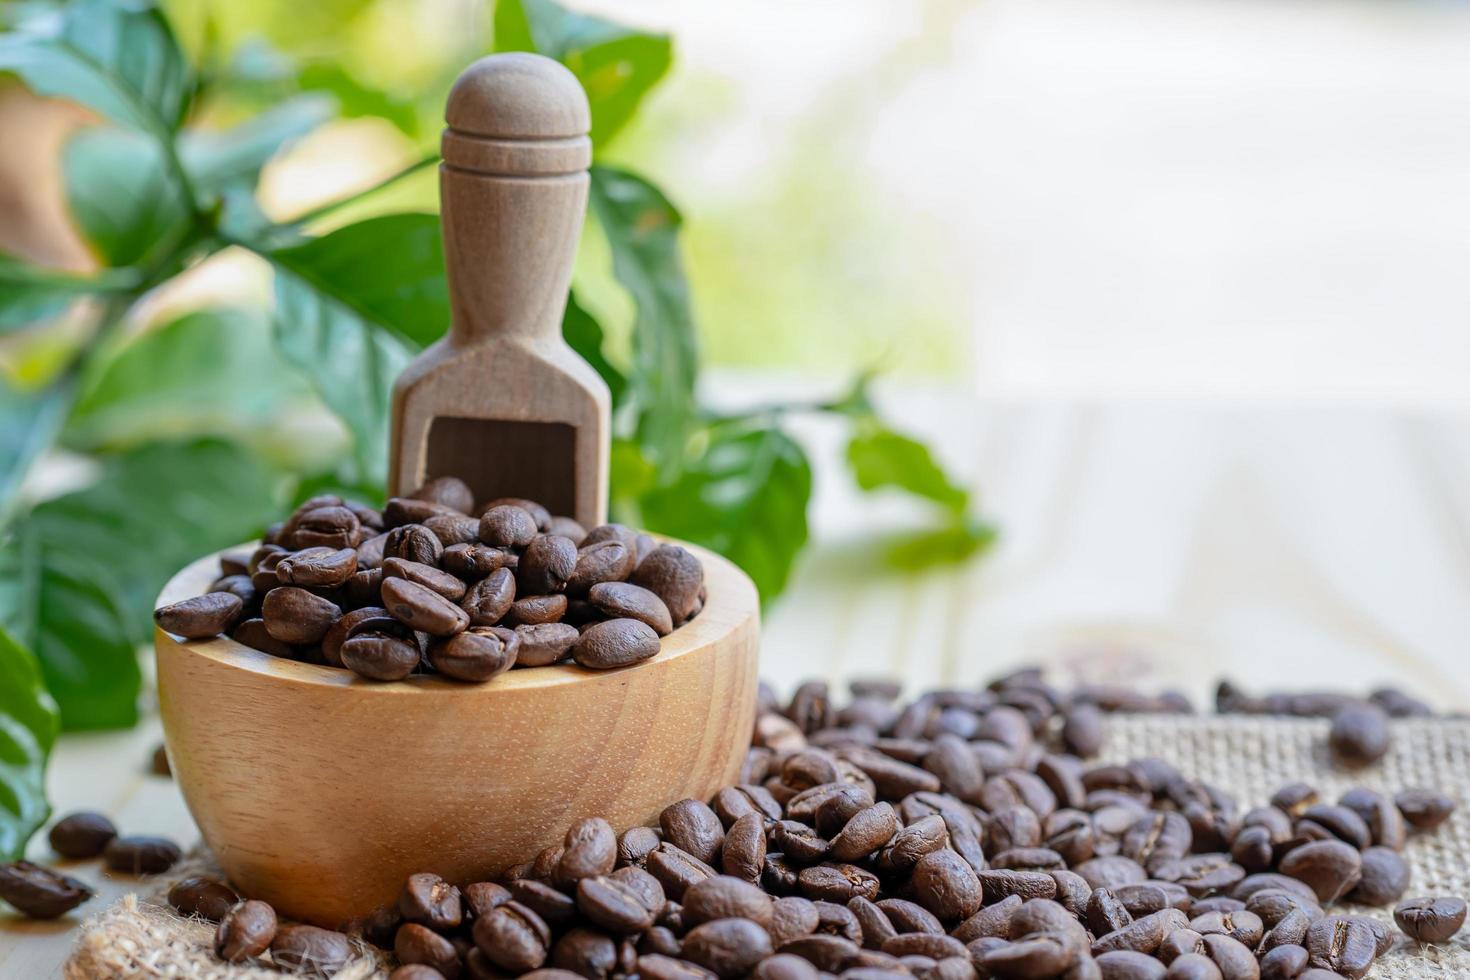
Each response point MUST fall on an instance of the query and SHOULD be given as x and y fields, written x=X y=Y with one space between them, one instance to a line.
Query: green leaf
x=28 y=723
x=355 y=99
x=880 y=457
x=955 y=542
x=642 y=229
x=745 y=497
x=584 y=334
x=30 y=294
x=79 y=579
x=351 y=308
x=118 y=57
x=616 y=65
x=122 y=194
x=218 y=158
x=29 y=421
x=212 y=372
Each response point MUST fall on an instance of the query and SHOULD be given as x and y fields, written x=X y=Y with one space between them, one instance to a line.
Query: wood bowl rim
x=731 y=598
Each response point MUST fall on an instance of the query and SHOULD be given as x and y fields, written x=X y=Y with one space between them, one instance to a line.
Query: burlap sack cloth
x=1251 y=757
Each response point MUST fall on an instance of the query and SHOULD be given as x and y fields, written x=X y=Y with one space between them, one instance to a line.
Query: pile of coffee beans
x=44 y=893
x=958 y=836
x=425 y=586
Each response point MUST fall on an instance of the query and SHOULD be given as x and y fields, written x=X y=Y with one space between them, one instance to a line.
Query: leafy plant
x=191 y=425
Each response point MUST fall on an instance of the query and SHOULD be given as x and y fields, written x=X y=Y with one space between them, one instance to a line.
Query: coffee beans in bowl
x=434 y=584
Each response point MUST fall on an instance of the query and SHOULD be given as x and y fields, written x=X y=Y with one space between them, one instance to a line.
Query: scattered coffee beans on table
x=958 y=836
x=435 y=584
x=44 y=893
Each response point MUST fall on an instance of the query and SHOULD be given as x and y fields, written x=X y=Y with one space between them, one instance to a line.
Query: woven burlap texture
x=1250 y=757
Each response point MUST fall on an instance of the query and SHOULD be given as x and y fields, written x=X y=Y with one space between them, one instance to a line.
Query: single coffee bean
x=380 y=656
x=421 y=609
x=635 y=844
x=513 y=938
x=413 y=542
x=415 y=944
x=1385 y=877
x=254 y=634
x=1039 y=955
x=784 y=966
x=947 y=886
x=477 y=654
x=589 y=849
x=1346 y=944
x=481 y=896
x=537 y=609
x=556 y=908
x=729 y=948
x=328 y=526
x=837 y=883
x=354 y=623
x=489 y=599
x=743 y=853
x=676 y=869
x=545 y=565
x=428 y=576
x=1385 y=822
x=309 y=949
x=1192 y=966
x=1430 y=920
x=294 y=615
x=141 y=855
x=619 y=905
x=450 y=491
x=452 y=529
x=38 y=892
x=473 y=562
x=1123 y=964
x=245 y=932
x=675 y=576
x=585 y=953
x=81 y=835
x=603 y=561
x=1424 y=809
x=543 y=644
x=626 y=600
x=204 y=897
x=1284 y=963
x=317 y=567
x=615 y=643
x=1325 y=821
x=430 y=901
x=693 y=827
x=1330 y=867
x=507 y=526
x=200 y=617
x=1359 y=735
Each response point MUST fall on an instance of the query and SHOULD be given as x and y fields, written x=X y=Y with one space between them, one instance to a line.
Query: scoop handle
x=513 y=192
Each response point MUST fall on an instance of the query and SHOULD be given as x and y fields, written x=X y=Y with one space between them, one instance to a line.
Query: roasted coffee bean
x=420 y=608
x=1430 y=920
x=603 y=561
x=324 y=568
x=81 y=835
x=729 y=948
x=253 y=633
x=589 y=849
x=141 y=855
x=452 y=529
x=1193 y=966
x=1359 y=735
x=1330 y=867
x=449 y=491
x=482 y=896
x=513 y=938
x=556 y=908
x=447 y=585
x=488 y=600
x=743 y=853
x=693 y=827
x=1424 y=809
x=837 y=883
x=1123 y=964
x=308 y=949
x=429 y=900
x=1039 y=955
x=635 y=844
x=1082 y=731
x=38 y=892
x=1385 y=876
x=1243 y=926
x=615 y=643
x=585 y=953
x=677 y=869
x=476 y=655
x=618 y=905
x=865 y=833
x=472 y=562
x=200 y=616
x=379 y=656
x=1284 y=963
x=947 y=886
x=545 y=565
x=1346 y=944
x=536 y=609
x=415 y=944
x=1325 y=821
x=413 y=542
x=675 y=576
x=726 y=897
x=294 y=615
x=1385 y=822
x=618 y=600
x=543 y=644
x=507 y=526
x=1143 y=935
x=784 y=966
x=204 y=897
x=245 y=932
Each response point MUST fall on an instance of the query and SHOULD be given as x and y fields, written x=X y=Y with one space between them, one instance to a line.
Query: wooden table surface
x=1157 y=541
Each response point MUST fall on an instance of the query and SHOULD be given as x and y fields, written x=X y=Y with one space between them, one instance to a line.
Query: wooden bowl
x=320 y=792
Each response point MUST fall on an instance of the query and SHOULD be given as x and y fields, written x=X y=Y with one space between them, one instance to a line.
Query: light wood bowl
x=320 y=792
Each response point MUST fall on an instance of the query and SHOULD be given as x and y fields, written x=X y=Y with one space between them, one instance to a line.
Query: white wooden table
x=1162 y=542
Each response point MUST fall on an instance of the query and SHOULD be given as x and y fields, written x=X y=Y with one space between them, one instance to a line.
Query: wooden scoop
x=502 y=402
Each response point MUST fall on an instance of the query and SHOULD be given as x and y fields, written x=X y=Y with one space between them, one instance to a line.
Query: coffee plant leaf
x=745 y=496
x=882 y=458
x=122 y=196
x=617 y=65
x=584 y=335
x=217 y=159
x=28 y=724
x=117 y=57
x=81 y=572
x=642 y=230
x=30 y=294
x=29 y=421
x=950 y=544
